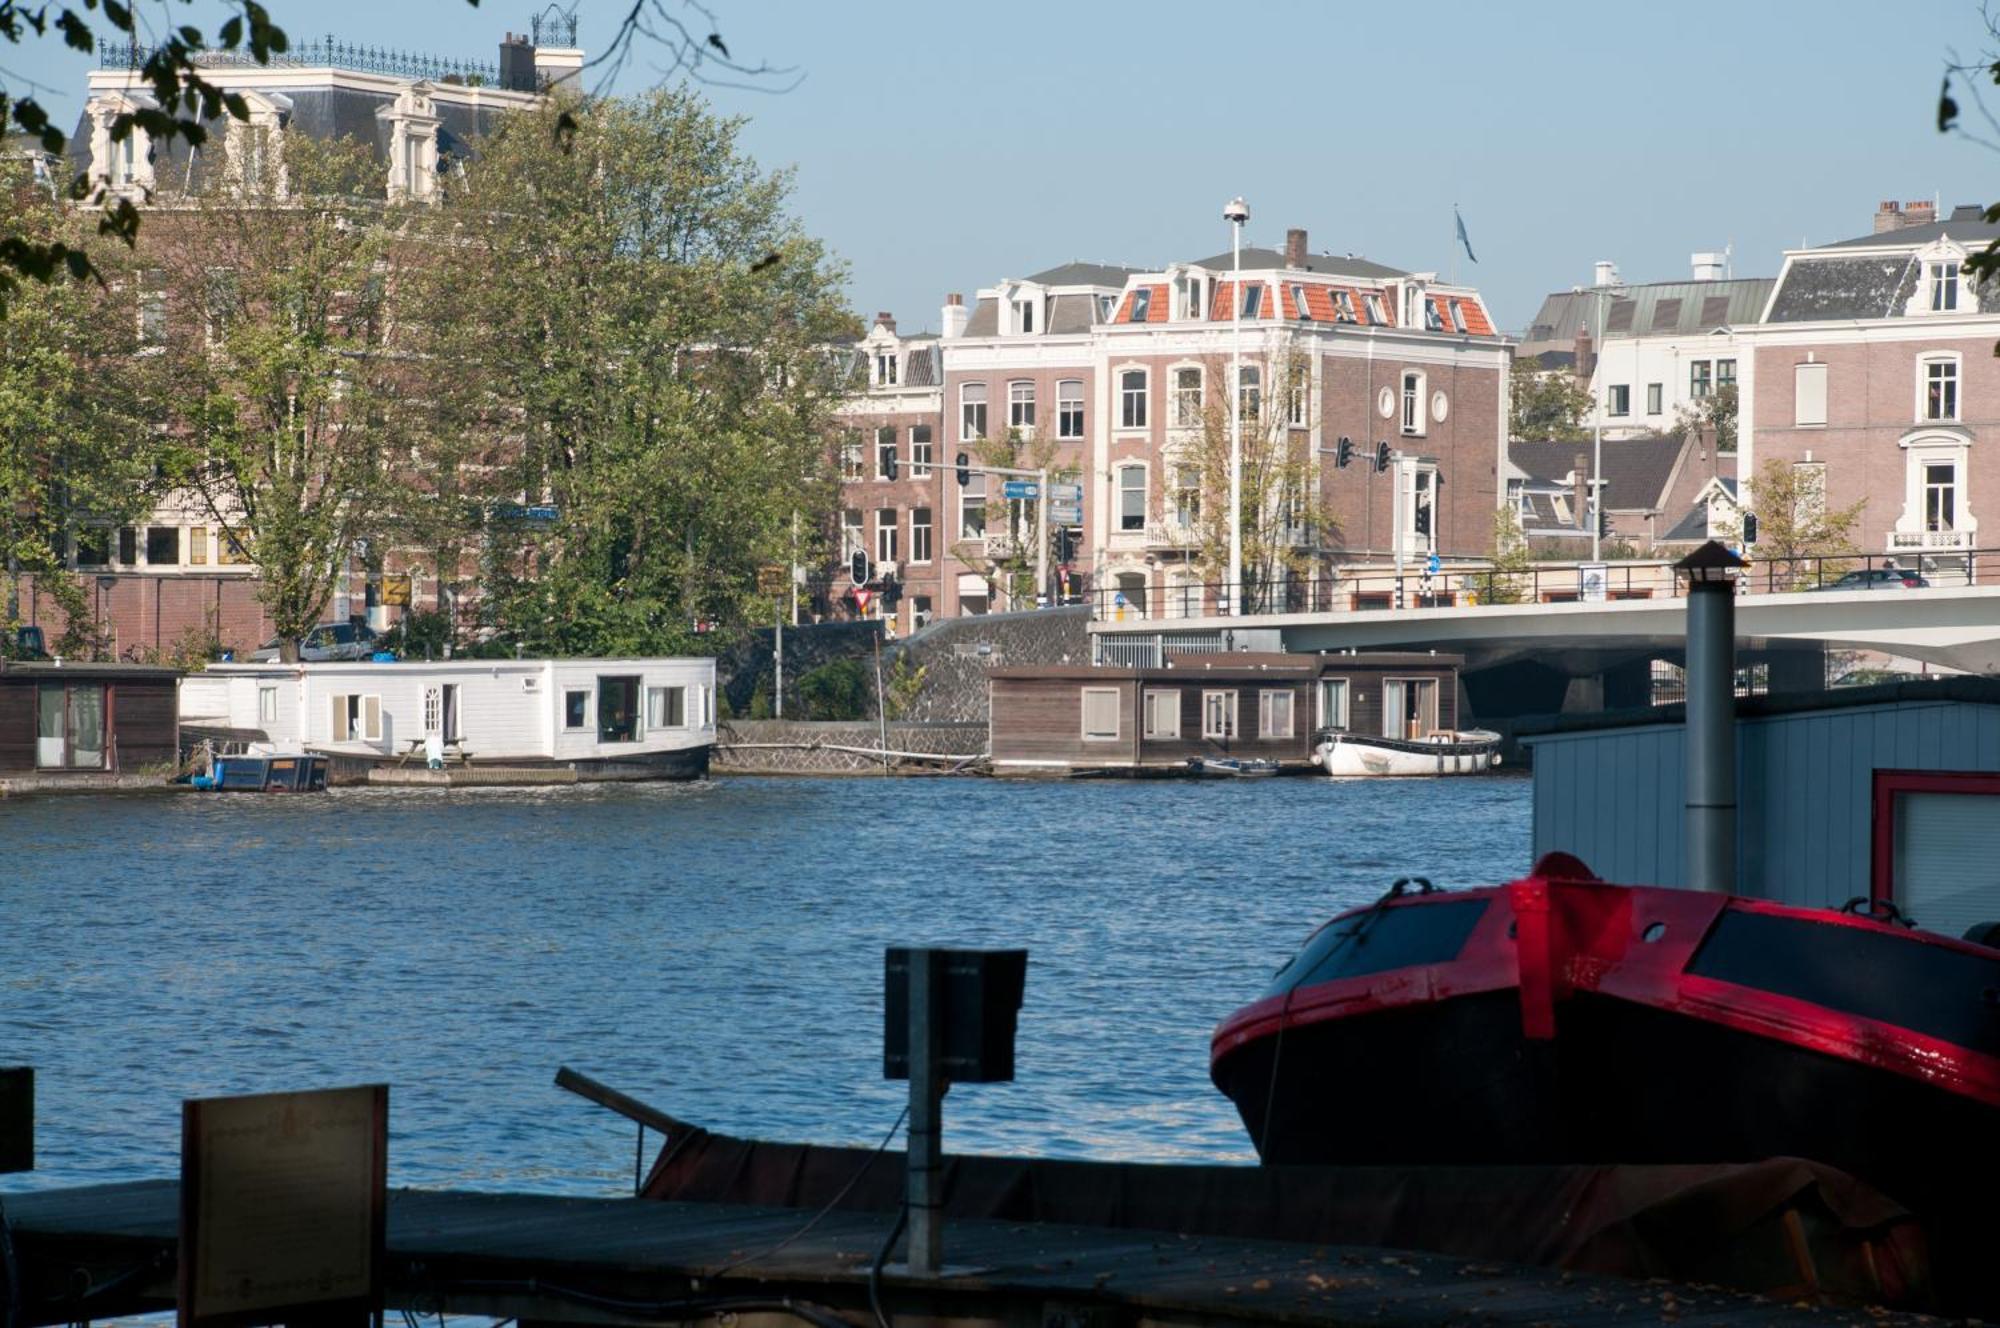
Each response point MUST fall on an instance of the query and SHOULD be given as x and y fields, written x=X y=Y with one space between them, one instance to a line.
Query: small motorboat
x=1464 y=752
x=264 y=774
x=1229 y=767
x=1560 y=1019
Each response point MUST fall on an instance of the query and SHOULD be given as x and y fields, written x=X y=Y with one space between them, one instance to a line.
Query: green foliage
x=1546 y=404
x=650 y=331
x=760 y=700
x=191 y=651
x=837 y=689
x=1801 y=541
x=904 y=686
x=1714 y=416
x=1509 y=583
x=423 y=634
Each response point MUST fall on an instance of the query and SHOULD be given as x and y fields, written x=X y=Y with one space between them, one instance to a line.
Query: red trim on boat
x=1889 y=783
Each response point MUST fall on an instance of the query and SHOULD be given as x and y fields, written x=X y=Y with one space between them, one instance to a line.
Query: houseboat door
x=1409 y=707
x=69 y=726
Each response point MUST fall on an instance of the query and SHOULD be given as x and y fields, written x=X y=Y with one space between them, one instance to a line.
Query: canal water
x=712 y=948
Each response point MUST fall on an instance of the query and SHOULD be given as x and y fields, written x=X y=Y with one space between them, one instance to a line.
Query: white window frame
x=1226 y=730
x=1701 y=379
x=1021 y=406
x=1120 y=474
x=1069 y=408
x=1656 y=396
x=885 y=448
x=921 y=452
x=1142 y=304
x=1250 y=296
x=1344 y=689
x=1161 y=712
x=1250 y=390
x=1926 y=363
x=1343 y=307
x=921 y=535
x=885 y=368
x=1187 y=499
x=1945 y=280
x=361 y=710
x=1378 y=312
x=1024 y=315
x=1187 y=401
x=887 y=535
x=1134 y=401
x=969 y=495
x=1955 y=488
x=267 y=706
x=1300 y=308
x=853 y=463
x=1267 y=704
x=853 y=534
x=1298 y=399
x=1084 y=697
x=1802 y=373
x=971 y=397
x=1415 y=386
x=1457 y=308
x=655 y=700
x=1618 y=400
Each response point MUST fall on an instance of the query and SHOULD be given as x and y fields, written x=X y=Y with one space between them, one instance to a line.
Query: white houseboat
x=603 y=719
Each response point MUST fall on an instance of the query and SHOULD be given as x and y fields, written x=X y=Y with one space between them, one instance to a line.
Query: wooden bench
x=452 y=747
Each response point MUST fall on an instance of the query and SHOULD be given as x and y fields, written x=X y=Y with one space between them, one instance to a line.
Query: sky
x=946 y=147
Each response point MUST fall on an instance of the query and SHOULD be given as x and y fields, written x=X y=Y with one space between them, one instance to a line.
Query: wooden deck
x=628 y=1261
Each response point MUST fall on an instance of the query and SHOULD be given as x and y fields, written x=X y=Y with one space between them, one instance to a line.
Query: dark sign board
x=283 y=1208
x=980 y=1000
x=17 y=1119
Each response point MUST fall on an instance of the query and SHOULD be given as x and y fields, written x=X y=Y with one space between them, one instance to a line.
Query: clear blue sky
x=942 y=147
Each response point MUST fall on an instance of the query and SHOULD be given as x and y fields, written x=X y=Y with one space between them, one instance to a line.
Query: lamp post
x=1236 y=212
x=1596 y=429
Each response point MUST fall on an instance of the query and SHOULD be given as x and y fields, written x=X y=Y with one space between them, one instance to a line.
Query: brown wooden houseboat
x=1057 y=719
x=76 y=721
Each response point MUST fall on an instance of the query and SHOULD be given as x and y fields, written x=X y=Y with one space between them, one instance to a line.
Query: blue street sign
x=1431 y=565
x=1026 y=490
x=1065 y=493
x=1066 y=514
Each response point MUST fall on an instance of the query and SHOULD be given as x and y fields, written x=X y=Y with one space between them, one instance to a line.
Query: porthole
x=1654 y=931
x=1440 y=406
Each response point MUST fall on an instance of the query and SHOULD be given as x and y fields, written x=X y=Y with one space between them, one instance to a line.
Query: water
x=714 y=948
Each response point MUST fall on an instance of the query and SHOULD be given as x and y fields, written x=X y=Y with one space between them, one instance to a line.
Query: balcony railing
x=1930 y=541
x=329 y=52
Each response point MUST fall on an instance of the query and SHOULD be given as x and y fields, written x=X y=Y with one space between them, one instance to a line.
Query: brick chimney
x=1888 y=215
x=1586 y=353
x=1921 y=213
x=1580 y=491
x=954 y=317
x=887 y=320
x=1295 y=247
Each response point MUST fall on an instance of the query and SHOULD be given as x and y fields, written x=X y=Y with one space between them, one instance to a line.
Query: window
x=1300 y=309
x=885 y=451
x=972 y=509
x=1274 y=714
x=219 y=305
x=1297 y=394
x=1250 y=392
x=1024 y=316
x=1187 y=498
x=1333 y=703
x=1432 y=321
x=1940 y=496
x=128 y=546
x=850 y=456
x=1100 y=714
x=1809 y=394
x=1131 y=498
x=886 y=522
x=163 y=546
x=231 y=548
x=1725 y=374
x=1142 y=304
x=93 y=546
x=885 y=368
x=1457 y=317
x=1106 y=306
x=1253 y=299
x=1423 y=506
x=617 y=709
x=1701 y=380
x=920 y=534
x=1069 y=408
x=152 y=318
x=1377 y=311
x=1021 y=407
x=920 y=451
x=198 y=545
x=1655 y=398
x=666 y=707
x=1941 y=389
x=851 y=538
x=1162 y=713
x=1343 y=307
x=971 y=412
x=1413 y=402
x=69 y=725
x=1188 y=297
x=920 y=612
x=354 y=718
x=1944 y=287
x=1218 y=715
x=1132 y=399
x=267 y=707
x=1618 y=399
x=1187 y=398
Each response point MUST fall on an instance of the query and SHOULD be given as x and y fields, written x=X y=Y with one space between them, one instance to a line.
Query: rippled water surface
x=714 y=948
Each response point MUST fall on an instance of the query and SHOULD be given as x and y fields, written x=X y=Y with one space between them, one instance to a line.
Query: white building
x=605 y=718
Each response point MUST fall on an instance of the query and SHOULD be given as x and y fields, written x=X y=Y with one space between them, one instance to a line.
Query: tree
x=286 y=372
x=1796 y=532
x=628 y=304
x=1008 y=557
x=1714 y=416
x=75 y=443
x=1511 y=564
x=1546 y=403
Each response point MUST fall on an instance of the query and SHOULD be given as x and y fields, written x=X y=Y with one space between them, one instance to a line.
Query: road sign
x=1024 y=490
x=1066 y=514
x=862 y=596
x=773 y=579
x=1065 y=493
x=1431 y=565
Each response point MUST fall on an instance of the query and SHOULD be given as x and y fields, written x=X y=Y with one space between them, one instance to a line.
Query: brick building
x=1874 y=368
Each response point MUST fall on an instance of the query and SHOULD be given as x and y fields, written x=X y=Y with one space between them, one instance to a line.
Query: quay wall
x=803 y=747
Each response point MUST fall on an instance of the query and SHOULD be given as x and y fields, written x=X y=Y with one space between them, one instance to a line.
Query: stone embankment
x=801 y=747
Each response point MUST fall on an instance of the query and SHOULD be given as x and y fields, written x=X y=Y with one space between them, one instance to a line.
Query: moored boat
x=284 y=773
x=1464 y=752
x=1228 y=767
x=1560 y=1019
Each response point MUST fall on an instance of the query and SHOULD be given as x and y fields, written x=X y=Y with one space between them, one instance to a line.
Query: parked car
x=327 y=641
x=1879 y=578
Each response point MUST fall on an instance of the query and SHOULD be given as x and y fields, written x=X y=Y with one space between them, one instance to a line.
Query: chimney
x=557 y=64
x=517 y=64
x=1921 y=213
x=1605 y=273
x=1888 y=216
x=1586 y=353
x=887 y=320
x=1295 y=247
x=1580 y=491
x=1708 y=266
x=954 y=317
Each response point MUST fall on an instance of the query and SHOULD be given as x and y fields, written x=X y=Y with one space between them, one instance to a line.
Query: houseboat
x=86 y=724
x=590 y=719
x=1198 y=710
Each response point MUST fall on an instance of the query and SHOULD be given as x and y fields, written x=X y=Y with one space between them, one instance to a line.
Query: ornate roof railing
x=327 y=52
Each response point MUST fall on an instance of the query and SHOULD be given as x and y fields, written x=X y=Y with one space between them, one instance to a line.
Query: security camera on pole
x=1236 y=212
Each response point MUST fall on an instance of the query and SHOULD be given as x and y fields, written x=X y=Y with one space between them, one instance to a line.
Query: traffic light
x=888 y=465
x=892 y=592
x=964 y=464
x=1381 y=457
x=1749 y=527
x=1344 y=456
x=857 y=567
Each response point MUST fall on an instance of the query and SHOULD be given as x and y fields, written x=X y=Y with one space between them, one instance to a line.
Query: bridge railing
x=1468 y=586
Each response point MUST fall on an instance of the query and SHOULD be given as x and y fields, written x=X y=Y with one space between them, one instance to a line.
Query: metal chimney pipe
x=1711 y=718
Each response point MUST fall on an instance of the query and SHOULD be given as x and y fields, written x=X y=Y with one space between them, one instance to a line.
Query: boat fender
x=1420 y=884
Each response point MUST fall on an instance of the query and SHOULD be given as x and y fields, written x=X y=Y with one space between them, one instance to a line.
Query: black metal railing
x=329 y=51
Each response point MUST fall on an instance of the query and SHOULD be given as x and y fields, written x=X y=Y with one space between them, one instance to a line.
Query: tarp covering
x=1783 y=1226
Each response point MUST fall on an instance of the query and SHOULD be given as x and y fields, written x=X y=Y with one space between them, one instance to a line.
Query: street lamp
x=1596 y=428
x=1236 y=212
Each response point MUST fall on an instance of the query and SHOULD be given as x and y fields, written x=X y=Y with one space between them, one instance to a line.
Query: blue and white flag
x=1461 y=234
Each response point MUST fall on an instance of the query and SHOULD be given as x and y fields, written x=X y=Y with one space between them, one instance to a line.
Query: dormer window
x=1944 y=287
x=1253 y=300
x=1304 y=310
x=1142 y=304
x=1106 y=306
x=126 y=166
x=1343 y=307
x=885 y=368
x=1413 y=300
x=1457 y=317
x=1024 y=316
x=1190 y=297
x=1377 y=311
x=413 y=123
x=1432 y=321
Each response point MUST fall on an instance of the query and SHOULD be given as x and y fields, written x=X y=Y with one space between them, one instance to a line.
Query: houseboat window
x=1333 y=703
x=128 y=545
x=163 y=545
x=267 y=707
x=1100 y=714
x=576 y=706
x=1274 y=714
x=1163 y=712
x=354 y=718
x=1409 y=707
x=441 y=711
x=666 y=707
x=69 y=730
x=1218 y=715
x=617 y=709
x=93 y=546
